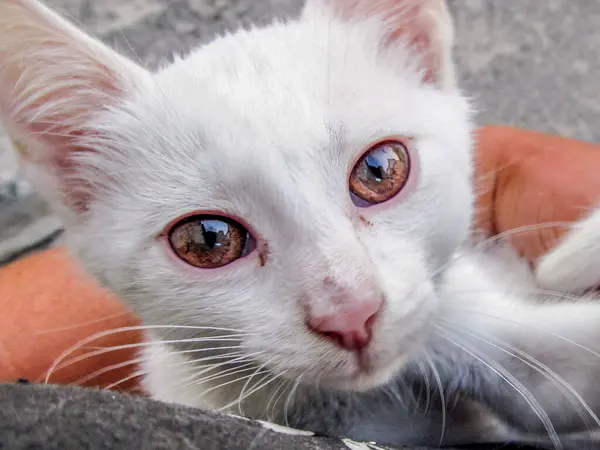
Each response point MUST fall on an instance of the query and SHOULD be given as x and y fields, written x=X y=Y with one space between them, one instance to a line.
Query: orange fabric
x=47 y=305
x=524 y=178
x=528 y=178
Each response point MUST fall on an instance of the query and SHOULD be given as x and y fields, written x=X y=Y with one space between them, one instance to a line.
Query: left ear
x=424 y=25
x=55 y=81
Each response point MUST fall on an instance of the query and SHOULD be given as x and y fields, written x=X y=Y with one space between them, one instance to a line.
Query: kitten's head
x=301 y=184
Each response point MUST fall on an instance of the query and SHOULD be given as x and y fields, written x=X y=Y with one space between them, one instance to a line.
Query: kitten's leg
x=536 y=365
x=574 y=265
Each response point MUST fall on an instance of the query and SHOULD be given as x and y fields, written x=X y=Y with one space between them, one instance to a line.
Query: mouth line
x=371 y=366
x=365 y=367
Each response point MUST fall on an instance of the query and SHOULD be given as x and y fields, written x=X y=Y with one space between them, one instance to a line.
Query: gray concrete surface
x=531 y=63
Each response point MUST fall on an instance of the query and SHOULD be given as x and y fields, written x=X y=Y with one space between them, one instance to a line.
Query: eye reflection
x=381 y=163
x=380 y=174
x=210 y=241
x=211 y=234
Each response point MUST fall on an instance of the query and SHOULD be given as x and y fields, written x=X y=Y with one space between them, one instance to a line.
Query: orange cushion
x=48 y=305
x=528 y=178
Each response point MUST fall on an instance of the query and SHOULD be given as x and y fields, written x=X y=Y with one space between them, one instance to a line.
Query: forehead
x=291 y=83
x=282 y=112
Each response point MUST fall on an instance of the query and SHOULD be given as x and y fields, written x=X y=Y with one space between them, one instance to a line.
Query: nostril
x=336 y=338
x=350 y=328
x=351 y=341
x=370 y=322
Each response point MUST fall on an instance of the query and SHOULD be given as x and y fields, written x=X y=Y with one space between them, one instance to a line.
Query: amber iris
x=381 y=173
x=209 y=242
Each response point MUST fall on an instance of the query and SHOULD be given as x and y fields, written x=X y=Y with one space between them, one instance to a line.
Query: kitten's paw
x=574 y=265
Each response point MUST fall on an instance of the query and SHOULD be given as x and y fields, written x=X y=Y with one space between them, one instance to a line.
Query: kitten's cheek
x=407 y=319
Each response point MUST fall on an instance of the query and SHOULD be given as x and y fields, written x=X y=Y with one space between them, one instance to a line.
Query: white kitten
x=287 y=209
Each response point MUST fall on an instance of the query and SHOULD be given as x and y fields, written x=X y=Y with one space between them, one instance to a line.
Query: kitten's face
x=265 y=128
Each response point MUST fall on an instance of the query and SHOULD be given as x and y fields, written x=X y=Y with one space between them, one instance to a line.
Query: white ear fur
x=53 y=80
x=425 y=25
x=574 y=265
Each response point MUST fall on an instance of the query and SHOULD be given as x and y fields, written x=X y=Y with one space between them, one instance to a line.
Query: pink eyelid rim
x=413 y=171
x=261 y=246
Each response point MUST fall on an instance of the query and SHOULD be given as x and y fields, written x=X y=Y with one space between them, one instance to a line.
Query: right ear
x=423 y=25
x=55 y=80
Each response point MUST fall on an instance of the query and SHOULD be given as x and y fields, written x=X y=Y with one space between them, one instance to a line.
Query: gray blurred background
x=530 y=63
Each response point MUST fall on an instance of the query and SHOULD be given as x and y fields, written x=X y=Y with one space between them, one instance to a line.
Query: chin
x=385 y=358
x=381 y=362
x=359 y=377
x=365 y=372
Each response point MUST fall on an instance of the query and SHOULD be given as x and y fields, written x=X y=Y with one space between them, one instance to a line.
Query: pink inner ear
x=76 y=190
x=54 y=80
x=419 y=28
x=421 y=41
x=413 y=20
x=388 y=9
x=57 y=120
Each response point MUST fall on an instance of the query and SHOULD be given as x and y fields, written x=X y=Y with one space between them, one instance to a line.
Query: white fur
x=163 y=368
x=265 y=125
x=573 y=266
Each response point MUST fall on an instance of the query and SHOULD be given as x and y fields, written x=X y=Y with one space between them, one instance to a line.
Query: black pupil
x=375 y=167
x=210 y=241
x=381 y=162
x=214 y=234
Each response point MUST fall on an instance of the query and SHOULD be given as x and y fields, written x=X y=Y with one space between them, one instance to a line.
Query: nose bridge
x=347 y=266
x=345 y=304
x=329 y=239
x=344 y=277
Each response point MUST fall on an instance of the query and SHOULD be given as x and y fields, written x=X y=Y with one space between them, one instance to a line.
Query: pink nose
x=351 y=326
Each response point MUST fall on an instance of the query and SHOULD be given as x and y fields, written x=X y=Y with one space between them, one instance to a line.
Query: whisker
x=56 y=366
x=157 y=327
x=558 y=294
x=297 y=383
x=106 y=333
x=521 y=230
x=224 y=373
x=82 y=324
x=213 y=388
x=241 y=397
x=540 y=367
x=242 y=357
x=134 y=53
x=427 y=385
x=230 y=358
x=538 y=291
x=533 y=327
x=514 y=383
x=253 y=390
x=219 y=356
x=140 y=360
x=288 y=400
x=107 y=369
x=438 y=381
x=237 y=380
x=496 y=238
x=272 y=404
x=392 y=391
x=139 y=373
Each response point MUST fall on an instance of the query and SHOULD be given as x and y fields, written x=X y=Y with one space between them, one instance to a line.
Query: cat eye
x=380 y=174
x=209 y=242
